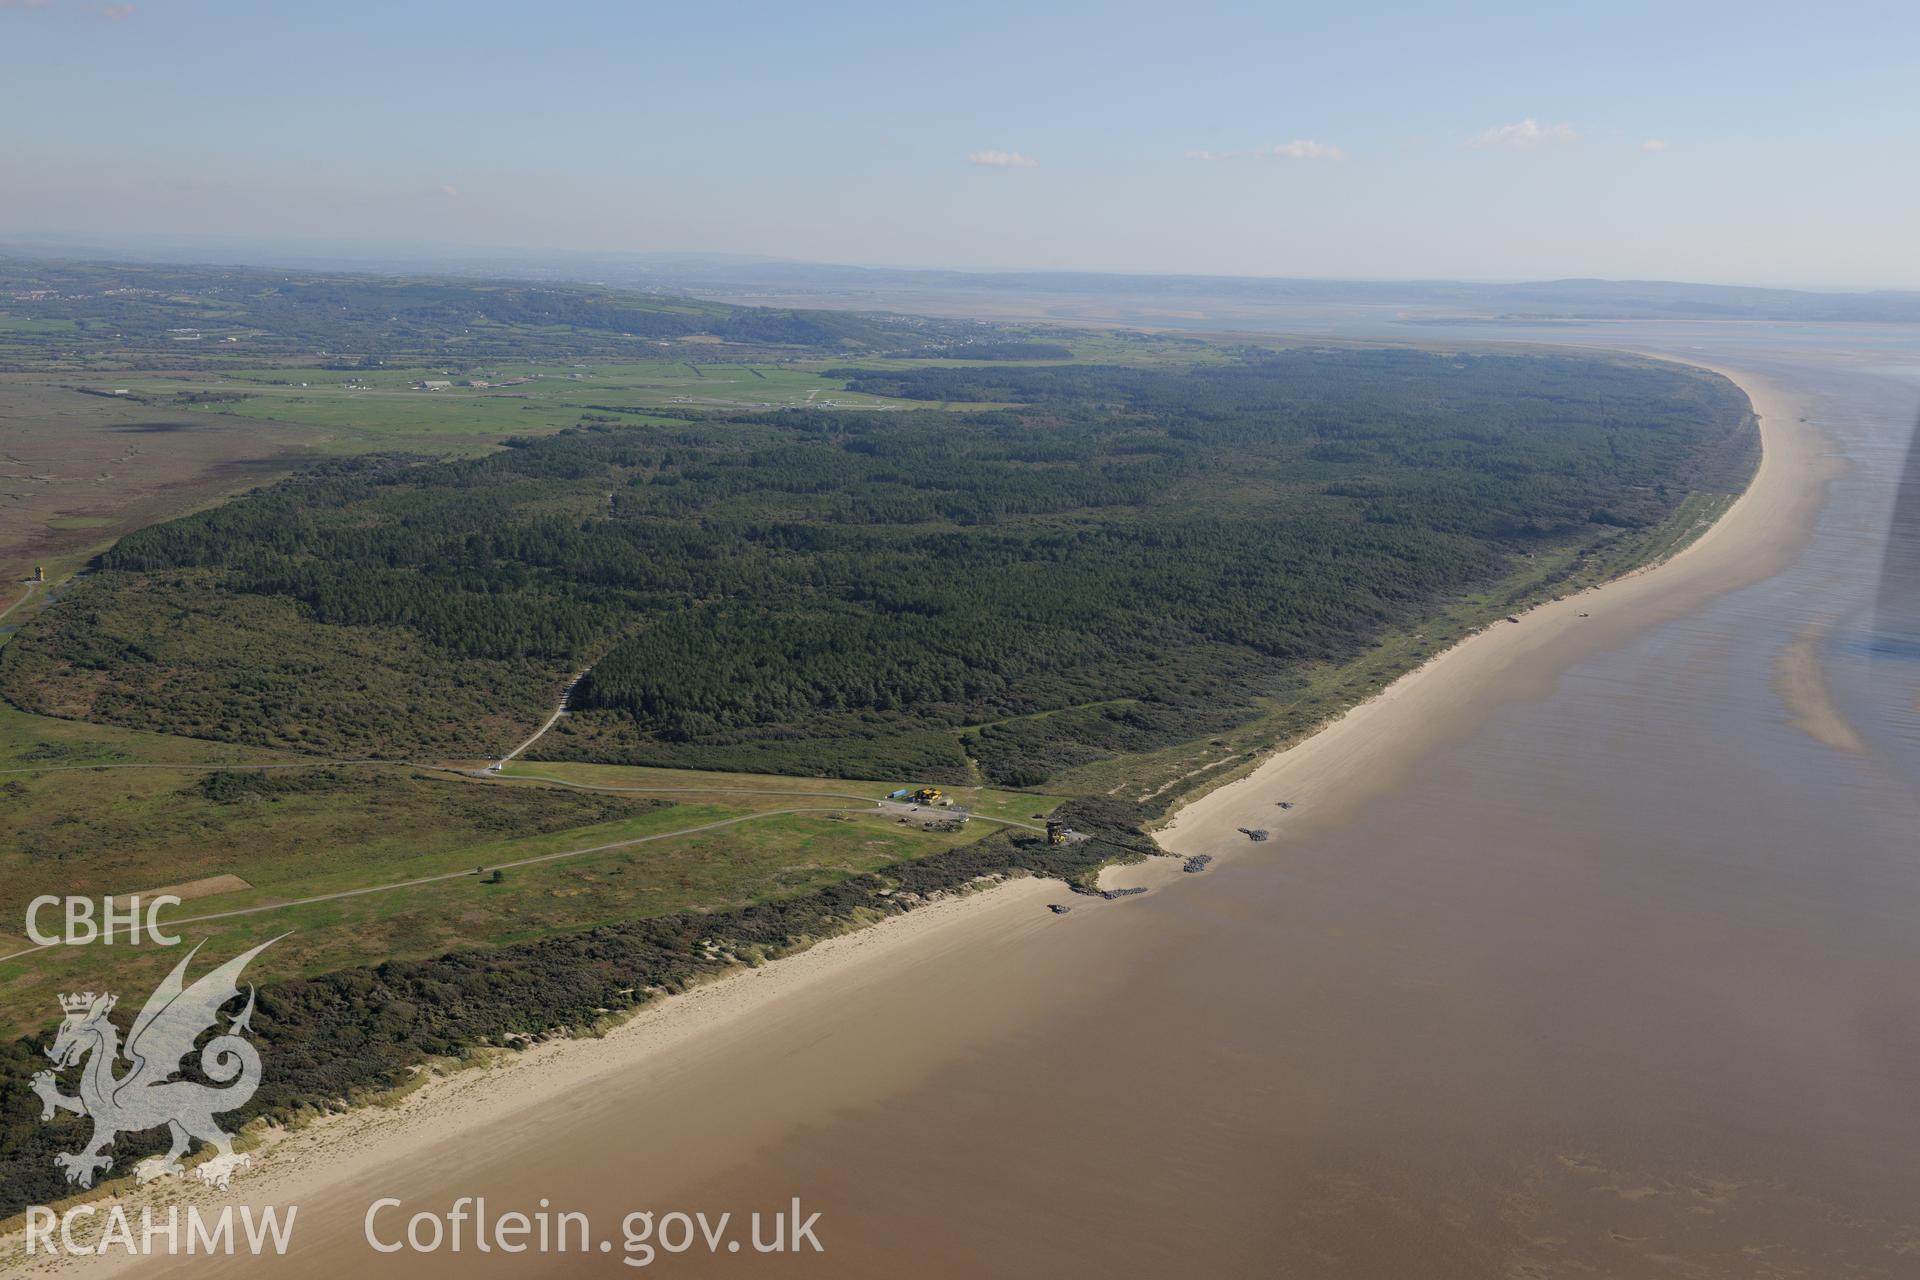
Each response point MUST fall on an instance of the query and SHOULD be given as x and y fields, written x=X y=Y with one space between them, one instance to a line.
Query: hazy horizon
x=427 y=258
x=1508 y=144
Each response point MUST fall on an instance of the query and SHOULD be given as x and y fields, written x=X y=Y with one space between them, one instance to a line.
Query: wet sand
x=1575 y=957
x=1802 y=685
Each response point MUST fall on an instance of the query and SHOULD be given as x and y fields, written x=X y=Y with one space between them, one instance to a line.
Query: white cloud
x=1653 y=144
x=1527 y=133
x=448 y=190
x=1002 y=160
x=1203 y=154
x=1304 y=149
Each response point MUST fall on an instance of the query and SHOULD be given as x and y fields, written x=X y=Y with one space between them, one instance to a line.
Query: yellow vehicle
x=927 y=795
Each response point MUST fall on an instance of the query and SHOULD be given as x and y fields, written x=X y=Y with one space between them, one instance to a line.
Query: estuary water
x=1619 y=979
x=1615 y=976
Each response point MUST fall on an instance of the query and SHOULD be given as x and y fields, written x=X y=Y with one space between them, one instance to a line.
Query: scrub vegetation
x=1132 y=558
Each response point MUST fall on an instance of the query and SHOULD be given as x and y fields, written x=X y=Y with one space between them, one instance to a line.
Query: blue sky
x=1486 y=141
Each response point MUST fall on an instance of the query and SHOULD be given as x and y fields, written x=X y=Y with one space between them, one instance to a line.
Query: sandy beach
x=457 y=1120
x=302 y=1166
x=1360 y=754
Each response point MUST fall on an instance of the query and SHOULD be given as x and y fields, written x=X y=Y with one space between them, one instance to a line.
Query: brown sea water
x=1617 y=979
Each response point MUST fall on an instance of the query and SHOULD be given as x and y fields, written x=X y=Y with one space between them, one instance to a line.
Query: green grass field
x=381 y=409
x=354 y=411
x=85 y=814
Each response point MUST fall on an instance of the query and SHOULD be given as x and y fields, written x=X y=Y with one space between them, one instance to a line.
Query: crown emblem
x=79 y=1002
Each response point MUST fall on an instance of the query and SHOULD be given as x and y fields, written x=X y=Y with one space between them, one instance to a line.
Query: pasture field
x=351 y=413
x=94 y=811
x=751 y=861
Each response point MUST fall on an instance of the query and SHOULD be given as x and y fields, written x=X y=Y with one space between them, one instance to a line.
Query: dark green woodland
x=1128 y=558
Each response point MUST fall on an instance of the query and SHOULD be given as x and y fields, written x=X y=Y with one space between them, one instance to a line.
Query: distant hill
x=130 y=308
x=1541 y=300
x=1191 y=298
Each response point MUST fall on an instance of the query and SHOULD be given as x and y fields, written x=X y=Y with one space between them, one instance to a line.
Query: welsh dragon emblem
x=145 y=1096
